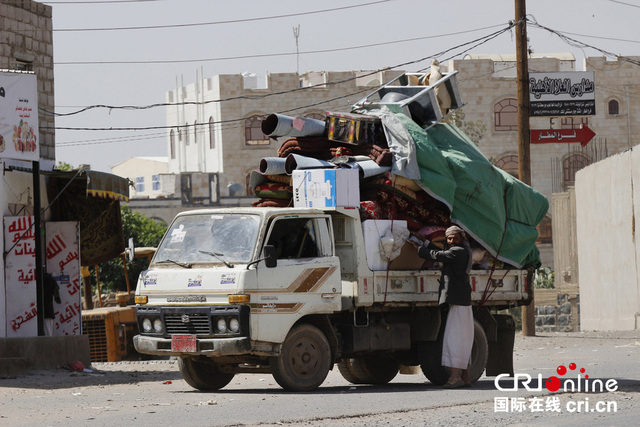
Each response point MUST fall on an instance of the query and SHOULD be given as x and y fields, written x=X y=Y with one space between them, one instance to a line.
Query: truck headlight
x=234 y=325
x=221 y=325
x=157 y=325
x=146 y=325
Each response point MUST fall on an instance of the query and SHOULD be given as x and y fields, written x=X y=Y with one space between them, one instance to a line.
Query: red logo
x=554 y=383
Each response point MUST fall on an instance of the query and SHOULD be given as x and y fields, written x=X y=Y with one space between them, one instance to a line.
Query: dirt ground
x=107 y=392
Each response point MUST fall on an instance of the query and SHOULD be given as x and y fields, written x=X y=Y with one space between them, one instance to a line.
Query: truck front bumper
x=205 y=346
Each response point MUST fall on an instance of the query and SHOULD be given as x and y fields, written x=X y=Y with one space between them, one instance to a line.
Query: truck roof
x=271 y=211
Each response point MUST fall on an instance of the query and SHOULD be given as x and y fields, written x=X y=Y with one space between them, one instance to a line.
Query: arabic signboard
x=547 y=136
x=63 y=261
x=20 y=278
x=562 y=94
x=19 y=137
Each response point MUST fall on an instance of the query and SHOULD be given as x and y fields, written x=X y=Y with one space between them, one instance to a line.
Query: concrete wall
x=565 y=255
x=607 y=201
x=18 y=355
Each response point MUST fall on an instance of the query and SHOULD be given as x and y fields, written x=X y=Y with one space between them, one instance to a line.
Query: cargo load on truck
x=405 y=164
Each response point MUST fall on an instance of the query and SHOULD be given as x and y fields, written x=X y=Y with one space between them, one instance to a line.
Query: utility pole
x=524 y=136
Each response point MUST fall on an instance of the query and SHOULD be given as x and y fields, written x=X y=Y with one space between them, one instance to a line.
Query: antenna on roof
x=296 y=34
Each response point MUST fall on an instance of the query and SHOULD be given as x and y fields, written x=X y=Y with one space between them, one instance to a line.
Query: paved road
x=153 y=393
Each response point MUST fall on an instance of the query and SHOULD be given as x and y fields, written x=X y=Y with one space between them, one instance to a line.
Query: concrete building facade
x=147 y=176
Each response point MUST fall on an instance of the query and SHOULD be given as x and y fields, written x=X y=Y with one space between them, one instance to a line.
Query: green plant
x=145 y=232
x=544 y=278
x=475 y=130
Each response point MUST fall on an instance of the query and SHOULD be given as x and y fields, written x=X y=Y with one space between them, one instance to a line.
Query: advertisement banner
x=19 y=137
x=20 y=277
x=63 y=262
x=562 y=94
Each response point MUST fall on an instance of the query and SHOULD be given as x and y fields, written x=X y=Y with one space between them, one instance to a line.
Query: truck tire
x=203 y=375
x=430 y=356
x=369 y=369
x=304 y=361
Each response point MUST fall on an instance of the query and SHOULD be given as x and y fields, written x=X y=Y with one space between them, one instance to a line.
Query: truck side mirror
x=270 y=256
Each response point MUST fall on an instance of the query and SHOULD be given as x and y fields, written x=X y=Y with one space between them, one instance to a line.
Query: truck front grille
x=197 y=324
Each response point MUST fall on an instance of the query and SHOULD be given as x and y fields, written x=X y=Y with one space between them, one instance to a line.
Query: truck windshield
x=212 y=238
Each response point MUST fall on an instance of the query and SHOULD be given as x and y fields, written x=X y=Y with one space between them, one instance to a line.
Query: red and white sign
x=19 y=133
x=63 y=262
x=549 y=136
x=20 y=278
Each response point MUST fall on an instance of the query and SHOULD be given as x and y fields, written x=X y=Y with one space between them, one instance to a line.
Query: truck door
x=307 y=277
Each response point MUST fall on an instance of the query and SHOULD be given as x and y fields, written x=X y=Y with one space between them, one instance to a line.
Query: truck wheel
x=430 y=355
x=369 y=370
x=479 y=352
x=304 y=361
x=203 y=375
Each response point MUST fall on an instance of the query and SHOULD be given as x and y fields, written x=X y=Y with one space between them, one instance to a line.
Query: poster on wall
x=19 y=134
x=20 y=278
x=63 y=262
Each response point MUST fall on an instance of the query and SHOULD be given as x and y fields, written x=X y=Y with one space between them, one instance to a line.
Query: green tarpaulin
x=497 y=210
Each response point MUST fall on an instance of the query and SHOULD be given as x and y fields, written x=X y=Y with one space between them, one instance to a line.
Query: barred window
x=506 y=115
x=570 y=165
x=253 y=131
x=509 y=164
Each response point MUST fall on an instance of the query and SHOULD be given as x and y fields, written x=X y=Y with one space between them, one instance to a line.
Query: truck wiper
x=181 y=264
x=218 y=257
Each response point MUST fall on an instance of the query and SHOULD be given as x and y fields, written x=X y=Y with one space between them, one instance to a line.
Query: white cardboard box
x=373 y=230
x=326 y=188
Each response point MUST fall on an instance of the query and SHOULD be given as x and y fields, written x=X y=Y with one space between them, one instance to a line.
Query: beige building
x=147 y=176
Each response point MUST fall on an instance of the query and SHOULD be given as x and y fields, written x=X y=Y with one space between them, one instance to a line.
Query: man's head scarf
x=454 y=229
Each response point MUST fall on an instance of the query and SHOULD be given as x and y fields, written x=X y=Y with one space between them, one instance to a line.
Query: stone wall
x=557 y=310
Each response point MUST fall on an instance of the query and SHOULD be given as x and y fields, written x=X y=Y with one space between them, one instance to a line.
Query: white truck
x=288 y=291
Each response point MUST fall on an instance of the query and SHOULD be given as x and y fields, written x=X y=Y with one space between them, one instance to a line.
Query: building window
x=574 y=122
x=24 y=65
x=570 y=165
x=509 y=164
x=253 y=131
x=505 y=115
x=614 y=107
x=195 y=132
x=155 y=182
x=140 y=184
x=212 y=141
x=544 y=231
x=172 y=143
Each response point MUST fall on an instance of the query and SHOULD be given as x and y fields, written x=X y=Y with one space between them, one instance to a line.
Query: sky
x=130 y=53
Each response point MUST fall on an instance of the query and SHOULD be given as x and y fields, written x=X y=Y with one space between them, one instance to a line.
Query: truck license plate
x=186 y=343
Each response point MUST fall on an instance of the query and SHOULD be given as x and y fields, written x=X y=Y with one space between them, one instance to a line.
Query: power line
x=579 y=44
x=310 y=52
x=99 y=2
x=231 y=21
x=478 y=42
x=626 y=4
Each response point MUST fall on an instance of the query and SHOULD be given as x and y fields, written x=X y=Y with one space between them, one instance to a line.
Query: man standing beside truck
x=455 y=291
